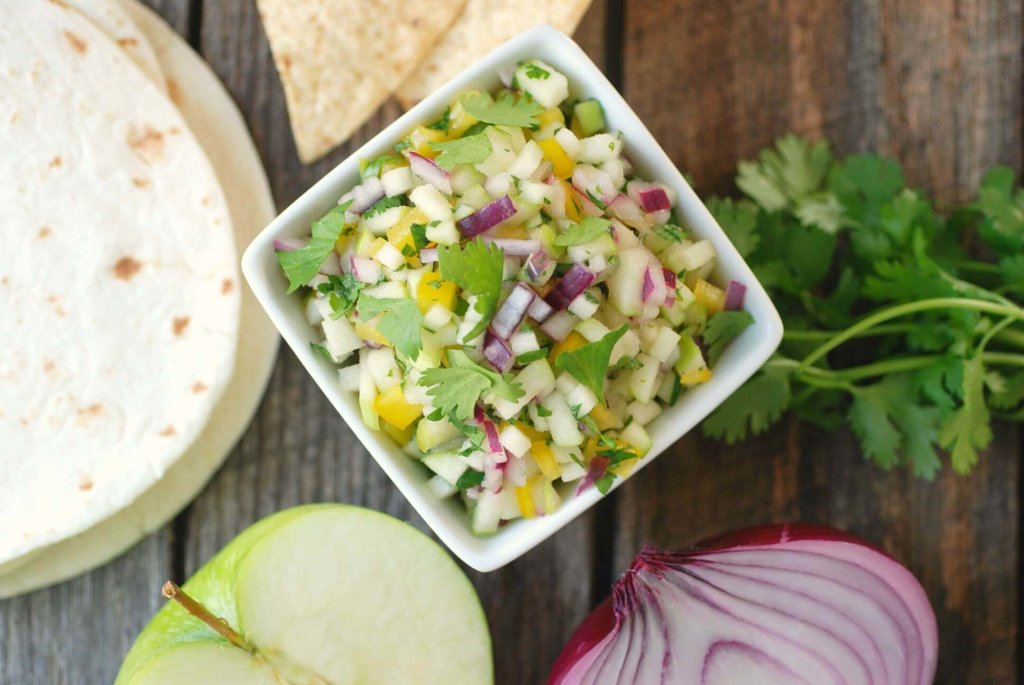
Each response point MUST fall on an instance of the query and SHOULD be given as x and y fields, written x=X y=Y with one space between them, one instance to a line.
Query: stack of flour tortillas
x=339 y=60
x=131 y=354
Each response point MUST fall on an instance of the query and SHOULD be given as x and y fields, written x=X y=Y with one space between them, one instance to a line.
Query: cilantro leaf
x=576 y=234
x=589 y=364
x=469 y=478
x=467 y=150
x=1011 y=394
x=373 y=167
x=1011 y=271
x=507 y=110
x=535 y=72
x=968 y=429
x=457 y=388
x=383 y=204
x=721 y=329
x=342 y=293
x=400 y=323
x=476 y=267
x=1002 y=210
x=792 y=170
x=752 y=409
x=300 y=266
x=323 y=351
x=739 y=221
x=442 y=123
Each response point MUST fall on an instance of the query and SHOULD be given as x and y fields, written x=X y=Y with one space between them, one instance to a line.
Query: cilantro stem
x=889 y=329
x=1003 y=358
x=1015 y=338
x=897 y=311
x=832 y=378
x=976 y=266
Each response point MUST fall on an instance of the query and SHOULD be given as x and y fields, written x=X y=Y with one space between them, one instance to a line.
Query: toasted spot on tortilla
x=49 y=366
x=205 y=200
x=179 y=324
x=168 y=432
x=199 y=387
x=226 y=286
x=77 y=43
x=126 y=268
x=57 y=308
x=6 y=280
x=94 y=409
x=140 y=182
x=23 y=421
x=174 y=91
x=44 y=231
x=174 y=131
x=56 y=162
x=147 y=143
x=127 y=42
x=86 y=484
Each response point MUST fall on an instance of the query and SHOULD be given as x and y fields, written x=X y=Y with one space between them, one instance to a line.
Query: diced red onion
x=670 y=285
x=539 y=310
x=536 y=265
x=559 y=326
x=626 y=210
x=331 y=265
x=734 y=295
x=365 y=270
x=497 y=352
x=574 y=282
x=429 y=172
x=512 y=311
x=487 y=217
x=428 y=255
x=364 y=195
x=654 y=199
x=598 y=467
x=648 y=286
x=288 y=244
x=515 y=247
x=778 y=604
x=490 y=431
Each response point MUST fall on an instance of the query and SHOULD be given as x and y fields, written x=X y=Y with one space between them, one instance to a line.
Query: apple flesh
x=322 y=595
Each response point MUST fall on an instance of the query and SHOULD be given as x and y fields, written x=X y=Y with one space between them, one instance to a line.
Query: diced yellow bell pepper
x=524 y=496
x=573 y=209
x=375 y=247
x=402 y=436
x=604 y=418
x=545 y=459
x=400 y=235
x=420 y=139
x=515 y=232
x=561 y=164
x=368 y=331
x=392 y=406
x=532 y=433
x=459 y=120
x=710 y=295
x=344 y=239
x=554 y=114
x=695 y=377
x=432 y=290
x=573 y=341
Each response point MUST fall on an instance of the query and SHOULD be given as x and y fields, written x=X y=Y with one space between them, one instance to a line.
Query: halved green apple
x=321 y=595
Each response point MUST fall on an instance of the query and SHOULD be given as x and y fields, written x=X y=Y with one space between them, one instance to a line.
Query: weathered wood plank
x=939 y=87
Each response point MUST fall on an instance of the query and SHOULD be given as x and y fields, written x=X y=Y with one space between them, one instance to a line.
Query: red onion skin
x=487 y=217
x=512 y=311
x=497 y=352
x=601 y=623
x=428 y=170
x=575 y=281
x=654 y=199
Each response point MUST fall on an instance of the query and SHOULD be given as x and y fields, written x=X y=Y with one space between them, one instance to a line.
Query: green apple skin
x=327 y=594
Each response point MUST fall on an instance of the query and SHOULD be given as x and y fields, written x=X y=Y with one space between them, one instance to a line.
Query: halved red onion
x=558 y=326
x=670 y=286
x=512 y=311
x=487 y=217
x=364 y=195
x=331 y=265
x=288 y=244
x=577 y=279
x=539 y=310
x=428 y=255
x=654 y=199
x=515 y=247
x=430 y=173
x=497 y=352
x=734 y=295
x=774 y=605
x=626 y=210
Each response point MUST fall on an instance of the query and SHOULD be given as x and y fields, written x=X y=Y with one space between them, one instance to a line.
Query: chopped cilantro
x=507 y=110
x=671 y=232
x=457 y=388
x=400 y=322
x=476 y=267
x=596 y=200
x=300 y=266
x=589 y=364
x=721 y=329
x=442 y=123
x=419 y=238
x=536 y=73
x=342 y=292
x=465 y=150
x=470 y=478
x=373 y=167
x=576 y=234
x=527 y=357
x=322 y=350
x=383 y=204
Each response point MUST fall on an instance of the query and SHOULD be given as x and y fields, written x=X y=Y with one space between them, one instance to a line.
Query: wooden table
x=938 y=84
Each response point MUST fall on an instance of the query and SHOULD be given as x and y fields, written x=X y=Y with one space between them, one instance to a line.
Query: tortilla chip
x=483 y=26
x=340 y=59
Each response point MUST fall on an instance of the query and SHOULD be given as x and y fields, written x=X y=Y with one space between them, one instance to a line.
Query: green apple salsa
x=512 y=304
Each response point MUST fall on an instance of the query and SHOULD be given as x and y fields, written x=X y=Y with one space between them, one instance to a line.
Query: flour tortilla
x=118 y=279
x=483 y=26
x=340 y=59
x=112 y=19
x=219 y=126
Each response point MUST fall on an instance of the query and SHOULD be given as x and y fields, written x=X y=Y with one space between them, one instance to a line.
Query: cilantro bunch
x=894 y=328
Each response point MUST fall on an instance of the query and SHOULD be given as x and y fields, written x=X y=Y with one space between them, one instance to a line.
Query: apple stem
x=171 y=590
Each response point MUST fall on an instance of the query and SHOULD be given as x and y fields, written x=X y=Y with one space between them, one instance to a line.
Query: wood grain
x=938 y=84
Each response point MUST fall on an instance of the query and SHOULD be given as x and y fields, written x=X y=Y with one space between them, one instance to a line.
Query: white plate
x=447 y=517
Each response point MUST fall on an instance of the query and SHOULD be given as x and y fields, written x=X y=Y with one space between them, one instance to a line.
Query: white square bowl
x=448 y=518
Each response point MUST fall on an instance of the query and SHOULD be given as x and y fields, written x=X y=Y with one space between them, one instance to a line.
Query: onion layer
x=778 y=605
